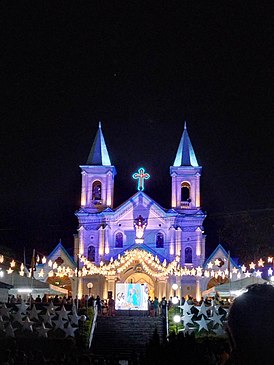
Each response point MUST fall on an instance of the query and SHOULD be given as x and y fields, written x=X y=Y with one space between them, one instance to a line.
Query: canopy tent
x=22 y=285
x=234 y=288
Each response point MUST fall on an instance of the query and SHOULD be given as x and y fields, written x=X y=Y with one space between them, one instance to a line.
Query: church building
x=138 y=242
x=106 y=233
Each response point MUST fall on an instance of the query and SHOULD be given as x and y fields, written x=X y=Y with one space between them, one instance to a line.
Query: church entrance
x=141 y=278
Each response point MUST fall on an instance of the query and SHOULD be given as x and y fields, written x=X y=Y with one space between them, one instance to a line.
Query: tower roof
x=99 y=154
x=185 y=154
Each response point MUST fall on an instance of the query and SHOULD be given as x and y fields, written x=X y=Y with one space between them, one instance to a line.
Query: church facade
x=138 y=242
x=140 y=227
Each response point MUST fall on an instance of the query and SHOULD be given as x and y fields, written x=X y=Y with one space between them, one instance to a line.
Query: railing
x=167 y=328
x=185 y=204
x=93 y=326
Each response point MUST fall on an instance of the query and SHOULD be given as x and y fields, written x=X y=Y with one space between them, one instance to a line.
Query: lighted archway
x=141 y=278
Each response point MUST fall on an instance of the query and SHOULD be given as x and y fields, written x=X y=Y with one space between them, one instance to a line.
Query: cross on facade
x=141 y=176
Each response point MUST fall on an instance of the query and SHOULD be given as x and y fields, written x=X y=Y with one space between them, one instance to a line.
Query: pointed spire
x=99 y=154
x=185 y=154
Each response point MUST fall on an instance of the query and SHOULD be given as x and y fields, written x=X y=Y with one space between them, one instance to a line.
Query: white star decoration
x=74 y=318
x=17 y=317
x=43 y=331
x=51 y=308
x=69 y=331
x=47 y=318
x=202 y=309
x=22 y=307
x=186 y=307
x=59 y=324
x=216 y=318
x=34 y=313
x=187 y=318
x=203 y=324
x=63 y=313
x=27 y=324
x=4 y=311
x=188 y=329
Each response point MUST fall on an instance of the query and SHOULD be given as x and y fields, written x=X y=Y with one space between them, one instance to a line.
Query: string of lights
x=151 y=265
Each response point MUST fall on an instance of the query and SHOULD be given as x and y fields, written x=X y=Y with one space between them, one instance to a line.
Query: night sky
x=141 y=68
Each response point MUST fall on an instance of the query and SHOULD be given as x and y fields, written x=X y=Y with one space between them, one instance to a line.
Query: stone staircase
x=125 y=334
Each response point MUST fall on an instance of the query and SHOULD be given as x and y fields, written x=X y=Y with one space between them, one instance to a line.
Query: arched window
x=91 y=253
x=188 y=255
x=159 y=240
x=96 y=190
x=119 y=240
x=185 y=192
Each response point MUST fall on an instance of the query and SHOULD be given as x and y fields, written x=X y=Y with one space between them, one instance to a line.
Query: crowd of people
x=250 y=335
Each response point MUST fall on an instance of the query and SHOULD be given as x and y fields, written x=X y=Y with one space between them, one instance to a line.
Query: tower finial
x=185 y=125
x=100 y=125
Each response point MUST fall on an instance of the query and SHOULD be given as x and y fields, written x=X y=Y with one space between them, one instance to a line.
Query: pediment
x=140 y=203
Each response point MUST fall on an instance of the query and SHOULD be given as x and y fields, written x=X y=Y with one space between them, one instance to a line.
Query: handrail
x=167 y=329
x=93 y=326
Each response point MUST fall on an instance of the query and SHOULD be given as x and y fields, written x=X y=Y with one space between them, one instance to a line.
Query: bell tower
x=185 y=174
x=97 y=176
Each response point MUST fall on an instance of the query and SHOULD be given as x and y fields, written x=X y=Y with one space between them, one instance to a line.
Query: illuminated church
x=141 y=223
x=139 y=242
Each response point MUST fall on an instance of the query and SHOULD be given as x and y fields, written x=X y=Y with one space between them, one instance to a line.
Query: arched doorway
x=141 y=278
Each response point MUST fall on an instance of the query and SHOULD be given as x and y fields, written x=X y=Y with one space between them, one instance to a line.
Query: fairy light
x=41 y=273
x=151 y=264
x=12 y=264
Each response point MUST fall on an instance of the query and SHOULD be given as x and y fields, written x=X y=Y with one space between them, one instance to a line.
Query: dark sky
x=142 y=69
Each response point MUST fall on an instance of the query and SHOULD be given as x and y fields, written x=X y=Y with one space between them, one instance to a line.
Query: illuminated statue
x=140 y=224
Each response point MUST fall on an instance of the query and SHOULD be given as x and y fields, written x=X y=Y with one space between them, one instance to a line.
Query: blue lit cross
x=141 y=176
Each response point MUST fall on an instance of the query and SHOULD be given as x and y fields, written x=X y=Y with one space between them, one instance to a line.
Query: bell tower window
x=96 y=190
x=91 y=253
x=185 y=192
x=159 y=240
x=119 y=240
x=188 y=255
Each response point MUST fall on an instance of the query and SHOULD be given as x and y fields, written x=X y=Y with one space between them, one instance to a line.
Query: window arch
x=188 y=255
x=91 y=253
x=119 y=240
x=159 y=240
x=96 y=190
x=185 y=192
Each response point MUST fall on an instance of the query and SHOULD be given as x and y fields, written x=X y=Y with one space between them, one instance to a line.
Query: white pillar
x=84 y=190
x=198 y=290
x=197 y=197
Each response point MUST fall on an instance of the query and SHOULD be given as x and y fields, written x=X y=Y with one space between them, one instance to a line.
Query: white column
x=106 y=239
x=101 y=241
x=109 y=192
x=198 y=290
x=198 y=243
x=84 y=190
x=197 y=195
x=172 y=241
x=173 y=192
x=178 y=241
